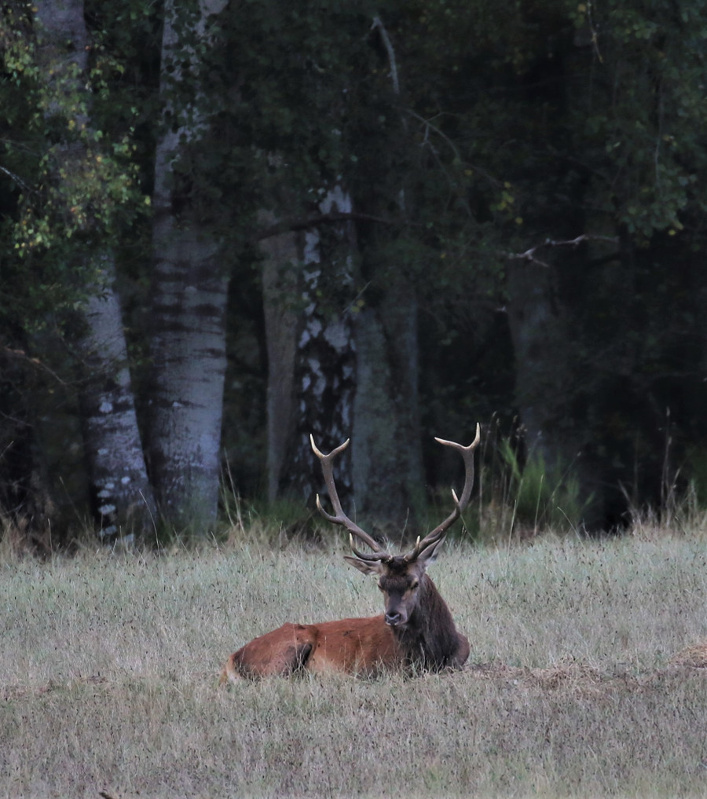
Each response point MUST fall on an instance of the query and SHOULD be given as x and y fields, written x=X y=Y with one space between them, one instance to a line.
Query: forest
x=226 y=225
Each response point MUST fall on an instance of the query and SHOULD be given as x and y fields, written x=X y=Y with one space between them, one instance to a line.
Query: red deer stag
x=416 y=630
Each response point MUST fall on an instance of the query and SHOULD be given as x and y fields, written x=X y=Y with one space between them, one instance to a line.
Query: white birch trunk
x=325 y=360
x=189 y=299
x=120 y=490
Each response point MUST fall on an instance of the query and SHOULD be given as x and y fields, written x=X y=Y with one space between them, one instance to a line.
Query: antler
x=379 y=554
x=459 y=504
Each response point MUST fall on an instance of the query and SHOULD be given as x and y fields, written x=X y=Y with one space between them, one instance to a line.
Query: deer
x=416 y=631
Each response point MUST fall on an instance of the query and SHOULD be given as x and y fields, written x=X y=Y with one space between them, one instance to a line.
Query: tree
x=280 y=271
x=122 y=493
x=415 y=168
x=324 y=355
x=68 y=223
x=190 y=288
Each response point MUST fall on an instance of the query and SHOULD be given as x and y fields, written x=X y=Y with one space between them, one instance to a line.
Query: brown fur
x=355 y=646
x=427 y=639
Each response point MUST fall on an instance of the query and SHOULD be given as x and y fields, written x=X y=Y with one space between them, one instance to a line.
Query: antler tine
x=372 y=557
x=459 y=503
x=339 y=517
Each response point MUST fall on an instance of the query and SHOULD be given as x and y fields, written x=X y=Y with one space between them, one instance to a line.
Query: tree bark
x=122 y=498
x=189 y=296
x=189 y=362
x=387 y=458
x=325 y=358
x=540 y=333
x=281 y=258
x=121 y=493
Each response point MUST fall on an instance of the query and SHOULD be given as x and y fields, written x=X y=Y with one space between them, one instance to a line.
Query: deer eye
x=414 y=585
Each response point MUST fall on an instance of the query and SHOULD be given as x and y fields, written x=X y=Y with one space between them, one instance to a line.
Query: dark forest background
x=225 y=225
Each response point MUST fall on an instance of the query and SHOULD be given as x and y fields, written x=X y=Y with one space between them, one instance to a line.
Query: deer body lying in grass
x=415 y=631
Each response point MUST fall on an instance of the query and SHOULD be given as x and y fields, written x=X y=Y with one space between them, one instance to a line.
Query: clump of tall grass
x=520 y=498
x=542 y=497
x=682 y=515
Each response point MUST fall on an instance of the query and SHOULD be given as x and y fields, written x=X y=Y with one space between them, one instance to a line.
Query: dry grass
x=108 y=670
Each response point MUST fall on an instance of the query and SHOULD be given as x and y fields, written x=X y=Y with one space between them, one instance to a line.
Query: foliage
x=466 y=132
x=652 y=167
x=70 y=184
x=542 y=498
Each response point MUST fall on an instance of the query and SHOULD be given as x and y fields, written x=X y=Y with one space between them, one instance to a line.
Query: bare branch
x=391 y=52
x=288 y=225
x=530 y=254
x=34 y=363
x=16 y=178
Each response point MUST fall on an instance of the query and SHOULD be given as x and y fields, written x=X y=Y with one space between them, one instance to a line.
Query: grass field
x=109 y=665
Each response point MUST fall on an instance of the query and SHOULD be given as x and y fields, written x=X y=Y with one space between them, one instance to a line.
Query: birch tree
x=120 y=489
x=189 y=294
x=325 y=353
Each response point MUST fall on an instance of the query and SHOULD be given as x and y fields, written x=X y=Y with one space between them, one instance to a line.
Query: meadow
x=109 y=667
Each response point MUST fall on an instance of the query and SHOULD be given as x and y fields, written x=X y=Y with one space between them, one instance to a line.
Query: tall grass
x=108 y=668
x=521 y=498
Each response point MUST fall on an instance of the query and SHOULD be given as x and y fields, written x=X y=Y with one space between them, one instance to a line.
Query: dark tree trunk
x=280 y=275
x=545 y=376
x=538 y=342
x=387 y=458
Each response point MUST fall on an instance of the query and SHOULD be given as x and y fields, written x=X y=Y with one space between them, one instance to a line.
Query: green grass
x=109 y=664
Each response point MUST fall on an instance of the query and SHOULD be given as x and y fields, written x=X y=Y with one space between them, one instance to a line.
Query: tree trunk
x=354 y=375
x=387 y=458
x=538 y=347
x=189 y=296
x=279 y=280
x=544 y=389
x=325 y=359
x=122 y=496
x=189 y=362
x=387 y=454
x=120 y=490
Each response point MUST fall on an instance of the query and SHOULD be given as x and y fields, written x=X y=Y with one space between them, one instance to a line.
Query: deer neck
x=430 y=637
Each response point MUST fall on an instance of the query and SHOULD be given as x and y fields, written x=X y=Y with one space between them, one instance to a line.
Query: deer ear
x=363 y=565
x=429 y=554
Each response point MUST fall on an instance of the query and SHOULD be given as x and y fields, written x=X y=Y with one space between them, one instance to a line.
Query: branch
x=391 y=52
x=529 y=255
x=429 y=126
x=16 y=178
x=288 y=225
x=34 y=363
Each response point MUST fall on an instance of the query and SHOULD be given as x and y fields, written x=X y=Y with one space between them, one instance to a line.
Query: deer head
x=401 y=578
